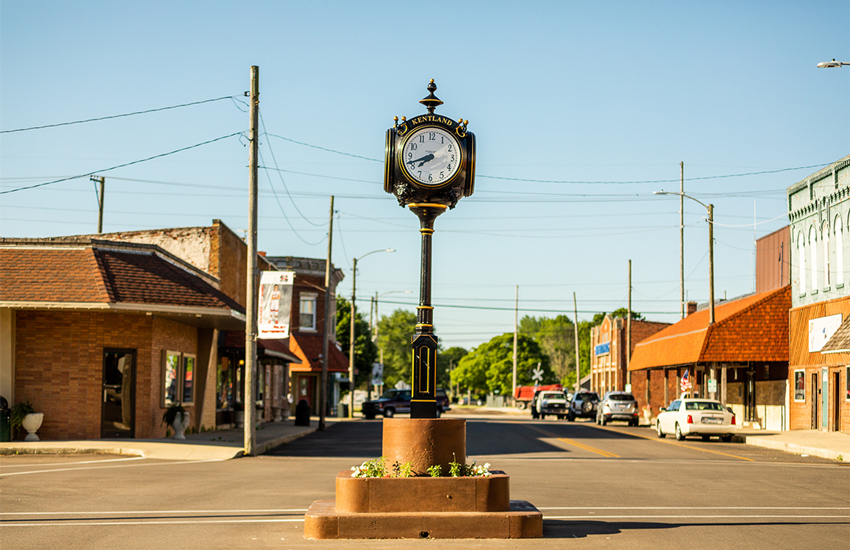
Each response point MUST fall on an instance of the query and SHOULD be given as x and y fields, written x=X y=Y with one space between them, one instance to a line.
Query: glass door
x=118 y=391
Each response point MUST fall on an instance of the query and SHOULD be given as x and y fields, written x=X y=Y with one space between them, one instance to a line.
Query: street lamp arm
x=662 y=192
x=374 y=252
x=831 y=64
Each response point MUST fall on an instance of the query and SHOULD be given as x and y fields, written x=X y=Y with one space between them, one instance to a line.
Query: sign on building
x=821 y=330
x=275 y=304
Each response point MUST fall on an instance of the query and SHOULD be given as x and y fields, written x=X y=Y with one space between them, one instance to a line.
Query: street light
x=831 y=64
x=710 y=209
x=352 y=321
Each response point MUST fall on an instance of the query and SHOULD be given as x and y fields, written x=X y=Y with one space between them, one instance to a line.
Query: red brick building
x=742 y=359
x=608 y=359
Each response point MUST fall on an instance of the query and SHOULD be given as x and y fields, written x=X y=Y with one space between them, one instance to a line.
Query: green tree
x=446 y=360
x=394 y=336
x=365 y=351
x=488 y=368
x=557 y=340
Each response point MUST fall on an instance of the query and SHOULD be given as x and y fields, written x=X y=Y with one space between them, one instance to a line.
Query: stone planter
x=31 y=423
x=181 y=422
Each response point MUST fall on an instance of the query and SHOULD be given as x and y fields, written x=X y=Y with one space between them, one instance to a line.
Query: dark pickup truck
x=398 y=402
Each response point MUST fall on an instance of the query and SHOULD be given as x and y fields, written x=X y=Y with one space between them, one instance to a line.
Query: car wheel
x=439 y=411
x=658 y=430
x=542 y=416
x=369 y=416
x=560 y=417
x=726 y=438
x=571 y=416
x=706 y=437
x=604 y=421
x=679 y=435
x=534 y=414
x=388 y=413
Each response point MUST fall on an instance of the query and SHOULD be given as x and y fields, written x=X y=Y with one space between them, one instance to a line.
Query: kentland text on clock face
x=431 y=156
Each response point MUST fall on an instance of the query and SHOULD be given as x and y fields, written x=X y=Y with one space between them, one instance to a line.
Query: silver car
x=618 y=405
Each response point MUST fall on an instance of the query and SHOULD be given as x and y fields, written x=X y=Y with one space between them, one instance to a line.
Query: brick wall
x=59 y=366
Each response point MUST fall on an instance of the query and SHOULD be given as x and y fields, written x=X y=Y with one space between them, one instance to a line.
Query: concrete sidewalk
x=216 y=445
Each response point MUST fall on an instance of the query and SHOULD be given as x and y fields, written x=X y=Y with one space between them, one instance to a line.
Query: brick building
x=174 y=350
x=608 y=359
x=90 y=329
x=742 y=359
x=819 y=210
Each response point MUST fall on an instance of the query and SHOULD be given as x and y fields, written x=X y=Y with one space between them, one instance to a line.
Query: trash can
x=5 y=412
x=302 y=413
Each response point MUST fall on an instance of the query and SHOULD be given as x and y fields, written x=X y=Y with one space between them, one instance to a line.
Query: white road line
x=3 y=474
x=765 y=516
x=108 y=523
x=70 y=463
x=694 y=508
x=143 y=512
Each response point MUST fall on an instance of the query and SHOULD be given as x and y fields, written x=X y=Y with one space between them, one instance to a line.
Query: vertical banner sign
x=275 y=304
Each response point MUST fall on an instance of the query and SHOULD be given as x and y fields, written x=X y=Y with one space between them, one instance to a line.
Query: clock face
x=431 y=156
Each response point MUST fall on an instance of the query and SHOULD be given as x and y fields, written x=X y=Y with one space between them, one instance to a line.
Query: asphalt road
x=598 y=487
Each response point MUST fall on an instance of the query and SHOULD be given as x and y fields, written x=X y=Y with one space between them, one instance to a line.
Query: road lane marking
x=69 y=463
x=574 y=443
x=694 y=508
x=736 y=516
x=119 y=523
x=143 y=512
x=5 y=474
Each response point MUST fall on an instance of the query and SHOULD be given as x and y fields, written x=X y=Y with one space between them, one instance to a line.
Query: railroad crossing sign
x=537 y=375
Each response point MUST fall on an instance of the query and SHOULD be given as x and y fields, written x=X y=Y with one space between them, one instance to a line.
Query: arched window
x=813 y=251
x=824 y=237
x=801 y=261
x=839 y=251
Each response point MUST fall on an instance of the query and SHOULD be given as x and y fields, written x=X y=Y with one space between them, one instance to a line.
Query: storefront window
x=188 y=378
x=799 y=385
x=307 y=312
x=170 y=377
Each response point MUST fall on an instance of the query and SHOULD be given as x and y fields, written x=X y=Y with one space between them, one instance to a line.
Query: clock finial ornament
x=431 y=102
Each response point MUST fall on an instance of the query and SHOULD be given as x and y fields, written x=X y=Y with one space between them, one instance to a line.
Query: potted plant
x=178 y=418
x=23 y=415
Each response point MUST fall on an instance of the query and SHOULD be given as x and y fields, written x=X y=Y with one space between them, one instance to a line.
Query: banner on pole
x=275 y=304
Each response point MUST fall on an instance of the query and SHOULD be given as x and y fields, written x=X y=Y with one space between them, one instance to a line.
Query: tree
x=557 y=340
x=365 y=351
x=446 y=361
x=488 y=368
x=394 y=337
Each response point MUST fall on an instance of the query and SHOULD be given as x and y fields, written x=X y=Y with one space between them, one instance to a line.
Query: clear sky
x=581 y=109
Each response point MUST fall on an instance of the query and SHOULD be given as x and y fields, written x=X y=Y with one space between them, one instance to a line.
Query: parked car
x=703 y=417
x=583 y=405
x=617 y=405
x=395 y=402
x=549 y=402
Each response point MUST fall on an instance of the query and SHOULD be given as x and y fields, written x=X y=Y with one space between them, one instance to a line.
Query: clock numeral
x=432 y=136
x=450 y=148
x=421 y=138
x=430 y=177
x=412 y=146
x=442 y=175
x=449 y=167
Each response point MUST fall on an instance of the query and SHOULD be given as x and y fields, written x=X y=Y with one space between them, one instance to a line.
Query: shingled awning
x=753 y=328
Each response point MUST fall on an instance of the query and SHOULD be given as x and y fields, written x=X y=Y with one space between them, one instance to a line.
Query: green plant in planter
x=18 y=413
x=170 y=414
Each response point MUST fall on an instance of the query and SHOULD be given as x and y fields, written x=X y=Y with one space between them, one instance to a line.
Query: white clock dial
x=431 y=156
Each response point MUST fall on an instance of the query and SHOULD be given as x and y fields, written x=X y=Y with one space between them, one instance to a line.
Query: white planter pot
x=31 y=423
x=181 y=422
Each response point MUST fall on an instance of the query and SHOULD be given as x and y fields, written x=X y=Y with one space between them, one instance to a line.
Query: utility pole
x=352 y=322
x=629 y=332
x=323 y=390
x=516 y=328
x=251 y=291
x=578 y=354
x=100 y=196
x=711 y=263
x=682 y=237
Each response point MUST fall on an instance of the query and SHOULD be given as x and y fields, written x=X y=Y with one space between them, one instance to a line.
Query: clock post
x=430 y=165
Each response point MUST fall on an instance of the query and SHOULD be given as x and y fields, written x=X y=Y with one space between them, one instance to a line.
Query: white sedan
x=704 y=417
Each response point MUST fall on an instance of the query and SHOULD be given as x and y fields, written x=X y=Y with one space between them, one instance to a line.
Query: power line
x=117 y=116
x=121 y=165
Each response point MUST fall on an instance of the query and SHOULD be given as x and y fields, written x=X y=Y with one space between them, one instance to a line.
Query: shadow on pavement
x=569 y=529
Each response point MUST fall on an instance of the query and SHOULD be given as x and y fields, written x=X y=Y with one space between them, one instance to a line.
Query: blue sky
x=605 y=92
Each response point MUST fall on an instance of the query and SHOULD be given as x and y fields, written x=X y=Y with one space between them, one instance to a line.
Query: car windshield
x=621 y=397
x=703 y=406
x=553 y=395
x=391 y=394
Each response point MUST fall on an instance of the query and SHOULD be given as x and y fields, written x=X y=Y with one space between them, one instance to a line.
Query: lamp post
x=353 y=322
x=710 y=209
x=831 y=64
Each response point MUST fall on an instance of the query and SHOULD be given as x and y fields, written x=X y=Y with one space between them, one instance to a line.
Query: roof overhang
x=204 y=317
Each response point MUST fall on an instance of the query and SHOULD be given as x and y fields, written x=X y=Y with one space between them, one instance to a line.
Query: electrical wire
x=118 y=116
x=323 y=148
x=121 y=165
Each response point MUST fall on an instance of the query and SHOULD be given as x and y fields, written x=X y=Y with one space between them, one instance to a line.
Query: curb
x=757 y=441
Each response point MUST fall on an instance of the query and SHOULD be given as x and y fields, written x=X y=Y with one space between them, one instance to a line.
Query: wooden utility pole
x=100 y=197
x=352 y=336
x=682 y=237
x=516 y=328
x=323 y=390
x=578 y=353
x=251 y=279
x=629 y=331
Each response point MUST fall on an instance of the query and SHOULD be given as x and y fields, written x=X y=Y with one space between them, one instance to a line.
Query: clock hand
x=424 y=159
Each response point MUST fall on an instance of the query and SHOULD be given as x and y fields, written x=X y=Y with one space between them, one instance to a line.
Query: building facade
x=819 y=213
x=608 y=359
